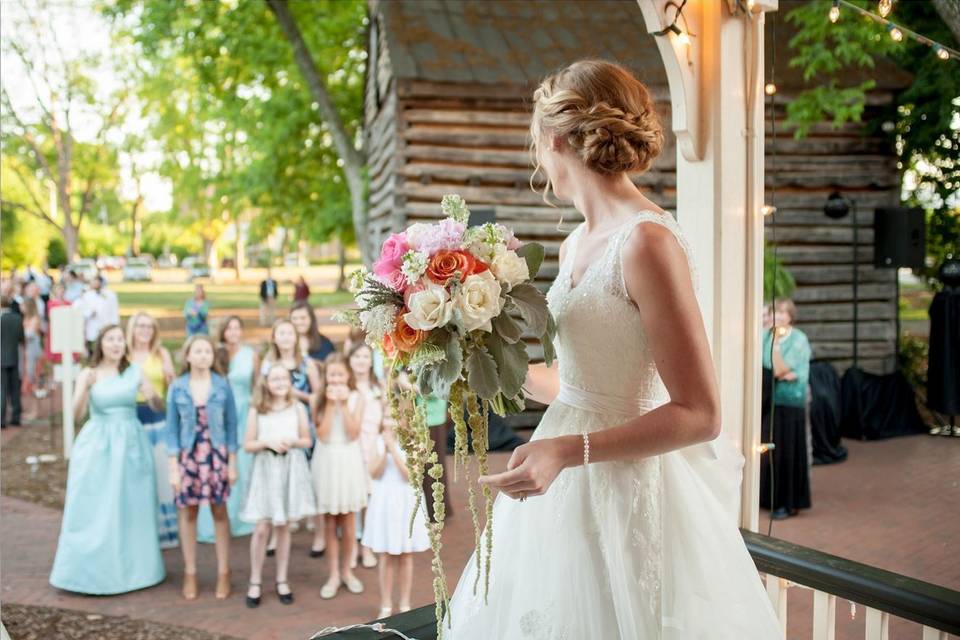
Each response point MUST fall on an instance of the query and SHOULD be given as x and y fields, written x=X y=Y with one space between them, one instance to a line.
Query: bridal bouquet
x=448 y=304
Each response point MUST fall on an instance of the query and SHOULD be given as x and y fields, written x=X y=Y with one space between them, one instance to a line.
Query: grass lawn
x=167 y=298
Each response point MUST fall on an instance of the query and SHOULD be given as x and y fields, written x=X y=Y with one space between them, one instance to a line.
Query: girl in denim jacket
x=201 y=436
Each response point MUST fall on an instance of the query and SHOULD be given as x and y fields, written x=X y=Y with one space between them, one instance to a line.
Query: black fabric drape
x=825 y=414
x=943 y=367
x=500 y=436
x=878 y=406
x=791 y=473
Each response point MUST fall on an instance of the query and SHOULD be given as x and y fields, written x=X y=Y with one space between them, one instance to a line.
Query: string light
x=770 y=89
x=895 y=33
x=768 y=210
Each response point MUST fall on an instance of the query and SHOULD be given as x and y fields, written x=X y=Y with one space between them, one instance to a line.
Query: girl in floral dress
x=202 y=445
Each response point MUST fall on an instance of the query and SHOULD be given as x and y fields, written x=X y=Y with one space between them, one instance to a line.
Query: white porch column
x=719 y=196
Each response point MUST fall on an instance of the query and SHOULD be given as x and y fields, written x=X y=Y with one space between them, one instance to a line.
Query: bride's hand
x=534 y=466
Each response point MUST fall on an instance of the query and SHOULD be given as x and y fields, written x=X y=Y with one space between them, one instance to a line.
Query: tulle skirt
x=339 y=477
x=646 y=549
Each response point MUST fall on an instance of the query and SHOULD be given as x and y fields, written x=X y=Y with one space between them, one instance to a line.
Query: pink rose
x=393 y=279
x=394 y=249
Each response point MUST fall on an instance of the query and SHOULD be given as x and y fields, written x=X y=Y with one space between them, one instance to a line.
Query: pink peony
x=446 y=235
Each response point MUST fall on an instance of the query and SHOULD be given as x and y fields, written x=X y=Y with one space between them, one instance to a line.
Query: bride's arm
x=543 y=383
x=657 y=278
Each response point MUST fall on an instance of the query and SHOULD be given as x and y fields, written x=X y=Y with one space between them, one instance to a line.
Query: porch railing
x=882 y=593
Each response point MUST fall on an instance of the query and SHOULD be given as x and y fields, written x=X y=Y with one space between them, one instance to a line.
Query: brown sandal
x=223 y=586
x=190 y=589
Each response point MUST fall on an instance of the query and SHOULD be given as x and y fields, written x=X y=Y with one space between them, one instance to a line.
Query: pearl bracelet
x=586 y=449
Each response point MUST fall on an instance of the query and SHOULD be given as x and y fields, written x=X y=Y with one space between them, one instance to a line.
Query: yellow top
x=152 y=369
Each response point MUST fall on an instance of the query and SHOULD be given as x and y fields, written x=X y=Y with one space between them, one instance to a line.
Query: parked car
x=110 y=263
x=196 y=267
x=137 y=270
x=167 y=262
x=85 y=268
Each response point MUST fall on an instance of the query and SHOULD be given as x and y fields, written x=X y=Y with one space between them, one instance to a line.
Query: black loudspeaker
x=899 y=238
x=482 y=215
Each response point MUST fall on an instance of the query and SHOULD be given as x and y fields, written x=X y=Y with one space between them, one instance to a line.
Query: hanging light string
x=896 y=31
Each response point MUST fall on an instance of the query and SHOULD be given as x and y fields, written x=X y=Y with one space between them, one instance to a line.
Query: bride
x=616 y=520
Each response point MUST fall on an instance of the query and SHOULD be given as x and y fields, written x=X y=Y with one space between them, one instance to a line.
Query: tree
x=42 y=127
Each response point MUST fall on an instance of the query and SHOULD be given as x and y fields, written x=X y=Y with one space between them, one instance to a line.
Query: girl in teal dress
x=242 y=364
x=108 y=538
x=195 y=312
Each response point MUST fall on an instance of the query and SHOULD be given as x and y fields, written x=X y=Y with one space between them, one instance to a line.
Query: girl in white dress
x=618 y=519
x=280 y=490
x=386 y=529
x=360 y=359
x=339 y=477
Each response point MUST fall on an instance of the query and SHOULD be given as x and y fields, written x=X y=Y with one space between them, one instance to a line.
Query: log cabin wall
x=444 y=114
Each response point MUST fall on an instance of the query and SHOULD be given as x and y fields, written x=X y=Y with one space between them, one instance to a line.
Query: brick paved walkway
x=889 y=505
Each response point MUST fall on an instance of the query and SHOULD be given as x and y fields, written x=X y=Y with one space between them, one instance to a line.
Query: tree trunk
x=353 y=160
x=342 y=263
x=238 y=253
x=135 y=223
x=70 y=240
x=949 y=11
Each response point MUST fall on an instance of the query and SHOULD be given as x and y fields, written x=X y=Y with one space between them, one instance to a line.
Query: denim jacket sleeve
x=230 y=419
x=172 y=429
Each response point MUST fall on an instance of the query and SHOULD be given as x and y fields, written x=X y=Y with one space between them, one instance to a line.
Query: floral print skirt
x=203 y=469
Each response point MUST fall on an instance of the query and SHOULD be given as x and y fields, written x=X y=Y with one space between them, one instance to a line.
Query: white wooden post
x=929 y=633
x=777 y=591
x=66 y=338
x=718 y=121
x=824 y=616
x=878 y=625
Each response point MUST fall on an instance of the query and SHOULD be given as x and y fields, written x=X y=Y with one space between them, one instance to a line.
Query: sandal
x=385 y=612
x=329 y=590
x=285 y=598
x=353 y=584
x=253 y=603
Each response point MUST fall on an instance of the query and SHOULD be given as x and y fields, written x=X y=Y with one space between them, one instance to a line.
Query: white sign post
x=66 y=338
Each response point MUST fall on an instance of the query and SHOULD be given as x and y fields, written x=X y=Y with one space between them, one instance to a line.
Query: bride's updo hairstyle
x=603 y=113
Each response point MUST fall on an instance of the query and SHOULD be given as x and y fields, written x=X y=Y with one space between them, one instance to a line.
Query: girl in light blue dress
x=108 y=538
x=242 y=364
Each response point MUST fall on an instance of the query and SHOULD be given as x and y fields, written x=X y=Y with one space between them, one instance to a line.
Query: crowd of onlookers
x=224 y=438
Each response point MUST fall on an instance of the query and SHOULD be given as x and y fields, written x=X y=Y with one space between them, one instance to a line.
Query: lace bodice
x=601 y=343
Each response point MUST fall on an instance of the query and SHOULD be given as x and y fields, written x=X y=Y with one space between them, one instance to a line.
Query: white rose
x=510 y=268
x=478 y=301
x=429 y=308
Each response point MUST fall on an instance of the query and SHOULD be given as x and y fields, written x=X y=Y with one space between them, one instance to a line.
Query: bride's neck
x=602 y=199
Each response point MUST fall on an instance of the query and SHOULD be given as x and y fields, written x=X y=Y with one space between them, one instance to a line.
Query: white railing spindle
x=777 y=591
x=929 y=633
x=824 y=616
x=878 y=625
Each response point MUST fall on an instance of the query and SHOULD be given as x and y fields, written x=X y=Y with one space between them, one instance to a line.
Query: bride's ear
x=556 y=143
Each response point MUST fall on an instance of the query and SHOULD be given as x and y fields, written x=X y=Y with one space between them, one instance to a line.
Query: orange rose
x=389 y=347
x=405 y=338
x=478 y=267
x=445 y=264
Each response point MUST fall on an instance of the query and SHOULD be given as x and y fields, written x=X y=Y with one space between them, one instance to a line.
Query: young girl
x=386 y=527
x=143 y=341
x=195 y=312
x=339 y=478
x=202 y=445
x=241 y=365
x=108 y=537
x=280 y=490
x=33 y=353
x=312 y=342
x=360 y=359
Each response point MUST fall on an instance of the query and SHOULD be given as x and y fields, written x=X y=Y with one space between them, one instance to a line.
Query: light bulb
x=770 y=89
x=834 y=11
x=895 y=33
x=768 y=210
x=942 y=53
x=683 y=39
x=885 y=7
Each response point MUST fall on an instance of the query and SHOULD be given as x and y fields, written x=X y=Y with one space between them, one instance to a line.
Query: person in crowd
x=786 y=352
x=74 y=286
x=112 y=303
x=281 y=490
x=386 y=526
x=312 y=343
x=360 y=361
x=766 y=317
x=33 y=353
x=355 y=337
x=156 y=365
x=242 y=365
x=96 y=309
x=339 y=476
x=31 y=291
x=108 y=537
x=301 y=291
x=202 y=448
x=269 y=292
x=11 y=340
x=9 y=288
x=195 y=312
x=304 y=374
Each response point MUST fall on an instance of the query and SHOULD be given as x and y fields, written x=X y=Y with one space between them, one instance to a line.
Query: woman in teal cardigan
x=786 y=356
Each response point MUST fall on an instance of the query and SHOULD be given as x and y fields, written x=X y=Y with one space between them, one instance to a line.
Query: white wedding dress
x=646 y=549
